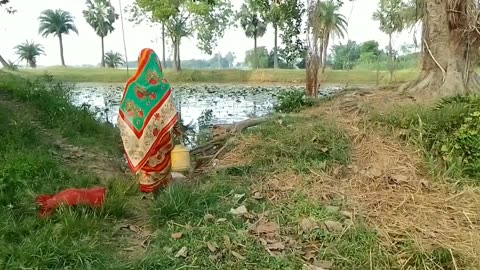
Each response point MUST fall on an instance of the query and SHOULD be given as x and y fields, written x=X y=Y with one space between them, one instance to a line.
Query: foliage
x=56 y=22
x=449 y=133
x=389 y=15
x=293 y=101
x=252 y=23
x=258 y=59
x=113 y=59
x=345 y=56
x=29 y=51
x=292 y=12
x=182 y=18
x=101 y=16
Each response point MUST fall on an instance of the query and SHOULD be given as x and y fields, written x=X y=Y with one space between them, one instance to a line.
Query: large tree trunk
x=3 y=62
x=61 y=49
x=449 y=54
x=390 y=56
x=32 y=63
x=312 y=75
x=255 y=51
x=102 y=63
x=179 y=61
x=275 y=46
x=163 y=46
x=324 y=51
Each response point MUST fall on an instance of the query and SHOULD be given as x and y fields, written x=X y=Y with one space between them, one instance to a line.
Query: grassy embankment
x=131 y=233
x=222 y=76
x=289 y=172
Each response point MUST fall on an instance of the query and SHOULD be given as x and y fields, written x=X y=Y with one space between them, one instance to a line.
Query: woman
x=146 y=118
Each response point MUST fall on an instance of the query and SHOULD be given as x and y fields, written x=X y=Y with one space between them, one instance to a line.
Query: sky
x=84 y=48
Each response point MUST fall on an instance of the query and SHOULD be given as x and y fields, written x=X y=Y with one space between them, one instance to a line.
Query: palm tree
x=252 y=24
x=101 y=16
x=114 y=59
x=29 y=51
x=331 y=23
x=57 y=23
x=392 y=15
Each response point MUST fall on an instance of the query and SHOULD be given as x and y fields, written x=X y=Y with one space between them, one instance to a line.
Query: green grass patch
x=49 y=102
x=107 y=75
x=448 y=133
x=300 y=143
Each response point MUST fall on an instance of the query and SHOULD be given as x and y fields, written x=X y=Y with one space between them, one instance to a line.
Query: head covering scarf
x=147 y=112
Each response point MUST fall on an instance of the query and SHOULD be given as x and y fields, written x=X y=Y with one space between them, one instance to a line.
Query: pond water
x=221 y=104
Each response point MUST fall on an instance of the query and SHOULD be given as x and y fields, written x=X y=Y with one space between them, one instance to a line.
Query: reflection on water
x=228 y=104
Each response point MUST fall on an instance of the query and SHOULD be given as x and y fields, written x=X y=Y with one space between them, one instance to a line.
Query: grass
x=198 y=213
x=448 y=134
x=105 y=75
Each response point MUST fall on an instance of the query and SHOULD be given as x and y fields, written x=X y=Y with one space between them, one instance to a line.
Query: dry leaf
x=332 y=209
x=177 y=235
x=323 y=264
x=307 y=225
x=241 y=210
x=208 y=217
x=277 y=246
x=309 y=255
x=265 y=228
x=306 y=266
x=220 y=220
x=238 y=197
x=227 y=242
x=257 y=195
x=333 y=226
x=214 y=257
x=212 y=246
x=237 y=255
x=346 y=214
x=183 y=252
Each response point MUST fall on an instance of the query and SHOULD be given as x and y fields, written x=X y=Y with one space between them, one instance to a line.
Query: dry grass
x=388 y=183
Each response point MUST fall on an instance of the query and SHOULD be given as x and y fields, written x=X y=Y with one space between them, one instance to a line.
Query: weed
x=449 y=133
x=293 y=101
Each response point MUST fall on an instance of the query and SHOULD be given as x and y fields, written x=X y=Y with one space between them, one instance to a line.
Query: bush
x=293 y=101
x=449 y=132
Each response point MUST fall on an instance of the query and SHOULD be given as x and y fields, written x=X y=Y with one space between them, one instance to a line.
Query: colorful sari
x=146 y=118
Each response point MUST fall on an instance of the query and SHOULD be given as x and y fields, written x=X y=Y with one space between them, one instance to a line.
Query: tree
x=390 y=16
x=230 y=58
x=9 y=10
x=332 y=23
x=183 y=18
x=252 y=24
x=101 y=16
x=291 y=29
x=345 y=56
x=450 y=47
x=113 y=59
x=257 y=58
x=57 y=23
x=271 y=12
x=313 y=56
x=29 y=51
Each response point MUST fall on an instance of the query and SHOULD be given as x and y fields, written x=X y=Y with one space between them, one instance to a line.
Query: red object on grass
x=94 y=197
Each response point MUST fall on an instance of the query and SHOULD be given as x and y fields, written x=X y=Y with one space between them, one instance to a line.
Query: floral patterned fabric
x=147 y=115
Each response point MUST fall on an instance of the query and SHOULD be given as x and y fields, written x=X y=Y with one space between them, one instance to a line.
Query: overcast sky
x=85 y=48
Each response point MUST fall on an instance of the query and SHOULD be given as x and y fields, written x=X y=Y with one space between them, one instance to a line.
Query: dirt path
x=388 y=183
x=79 y=158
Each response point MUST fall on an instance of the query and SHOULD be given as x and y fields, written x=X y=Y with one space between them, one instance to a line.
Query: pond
x=219 y=104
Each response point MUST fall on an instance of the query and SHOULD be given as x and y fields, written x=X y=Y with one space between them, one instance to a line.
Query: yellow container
x=180 y=158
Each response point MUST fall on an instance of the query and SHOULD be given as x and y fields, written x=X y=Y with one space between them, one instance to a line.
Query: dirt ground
x=388 y=183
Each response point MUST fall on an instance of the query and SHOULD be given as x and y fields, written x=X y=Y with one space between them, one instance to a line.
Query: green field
x=106 y=75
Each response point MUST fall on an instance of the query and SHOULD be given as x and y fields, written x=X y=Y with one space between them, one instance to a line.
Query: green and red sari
x=146 y=117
